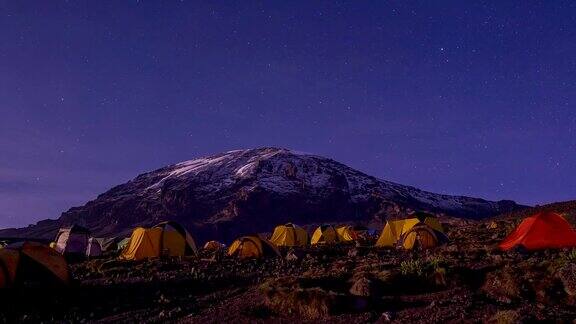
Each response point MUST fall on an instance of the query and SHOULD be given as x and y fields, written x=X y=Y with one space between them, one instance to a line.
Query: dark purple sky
x=461 y=97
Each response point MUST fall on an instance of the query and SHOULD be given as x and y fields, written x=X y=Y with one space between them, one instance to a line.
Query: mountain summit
x=242 y=191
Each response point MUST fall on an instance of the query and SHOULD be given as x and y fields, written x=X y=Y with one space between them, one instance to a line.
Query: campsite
x=288 y=161
x=466 y=275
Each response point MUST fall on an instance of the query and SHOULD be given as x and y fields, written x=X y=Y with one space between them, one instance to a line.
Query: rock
x=439 y=277
x=362 y=287
x=292 y=257
x=353 y=252
x=286 y=296
x=503 y=285
x=385 y=317
x=567 y=275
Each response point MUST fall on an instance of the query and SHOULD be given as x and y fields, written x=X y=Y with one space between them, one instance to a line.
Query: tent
x=421 y=215
x=122 y=244
x=108 y=244
x=346 y=234
x=492 y=225
x=164 y=239
x=545 y=230
x=350 y=233
x=325 y=234
x=213 y=246
x=29 y=263
x=72 y=241
x=93 y=249
x=412 y=232
x=252 y=246
x=289 y=235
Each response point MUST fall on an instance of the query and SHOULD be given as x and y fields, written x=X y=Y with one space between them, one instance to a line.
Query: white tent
x=93 y=249
x=72 y=240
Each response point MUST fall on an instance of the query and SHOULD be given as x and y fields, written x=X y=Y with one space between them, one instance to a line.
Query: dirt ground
x=466 y=280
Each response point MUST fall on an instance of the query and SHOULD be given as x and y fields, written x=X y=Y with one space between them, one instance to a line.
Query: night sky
x=459 y=97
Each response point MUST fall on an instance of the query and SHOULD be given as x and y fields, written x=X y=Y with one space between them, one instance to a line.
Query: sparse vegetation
x=436 y=261
x=325 y=284
x=571 y=256
x=412 y=268
x=505 y=317
x=288 y=296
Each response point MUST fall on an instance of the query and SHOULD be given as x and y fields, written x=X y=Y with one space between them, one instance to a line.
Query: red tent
x=545 y=230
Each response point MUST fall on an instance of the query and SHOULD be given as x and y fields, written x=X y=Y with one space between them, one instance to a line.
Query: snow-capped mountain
x=228 y=194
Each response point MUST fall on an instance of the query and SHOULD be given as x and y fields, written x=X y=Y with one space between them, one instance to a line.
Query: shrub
x=505 y=317
x=412 y=268
x=436 y=262
x=567 y=275
x=571 y=256
x=287 y=296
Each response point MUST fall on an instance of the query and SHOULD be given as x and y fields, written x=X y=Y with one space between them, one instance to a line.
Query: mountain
x=566 y=208
x=228 y=194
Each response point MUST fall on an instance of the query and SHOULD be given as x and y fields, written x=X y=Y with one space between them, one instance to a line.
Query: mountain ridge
x=230 y=193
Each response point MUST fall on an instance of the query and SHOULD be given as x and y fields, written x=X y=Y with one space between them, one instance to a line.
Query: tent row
x=544 y=230
x=424 y=231
x=27 y=263
x=291 y=235
x=172 y=239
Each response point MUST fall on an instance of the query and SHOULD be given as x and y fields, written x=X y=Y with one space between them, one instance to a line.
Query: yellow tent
x=252 y=246
x=411 y=232
x=346 y=234
x=289 y=235
x=164 y=239
x=492 y=225
x=325 y=234
x=213 y=246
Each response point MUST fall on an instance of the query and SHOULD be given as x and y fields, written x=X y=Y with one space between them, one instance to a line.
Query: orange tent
x=29 y=264
x=545 y=230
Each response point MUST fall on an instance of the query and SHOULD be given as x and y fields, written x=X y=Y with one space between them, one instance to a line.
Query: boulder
x=503 y=285
x=362 y=287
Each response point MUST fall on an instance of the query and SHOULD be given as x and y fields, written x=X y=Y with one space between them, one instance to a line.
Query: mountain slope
x=243 y=191
x=566 y=208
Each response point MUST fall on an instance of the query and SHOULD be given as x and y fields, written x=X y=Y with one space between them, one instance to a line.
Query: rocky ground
x=467 y=280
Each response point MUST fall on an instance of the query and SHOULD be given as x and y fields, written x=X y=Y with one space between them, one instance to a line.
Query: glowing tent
x=325 y=234
x=346 y=234
x=412 y=232
x=545 y=230
x=164 y=239
x=252 y=246
x=289 y=235
x=349 y=233
x=213 y=246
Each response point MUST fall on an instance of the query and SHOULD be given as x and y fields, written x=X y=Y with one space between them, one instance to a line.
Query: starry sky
x=474 y=98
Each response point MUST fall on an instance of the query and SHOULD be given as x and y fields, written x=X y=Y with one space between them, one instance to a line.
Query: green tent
x=122 y=244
